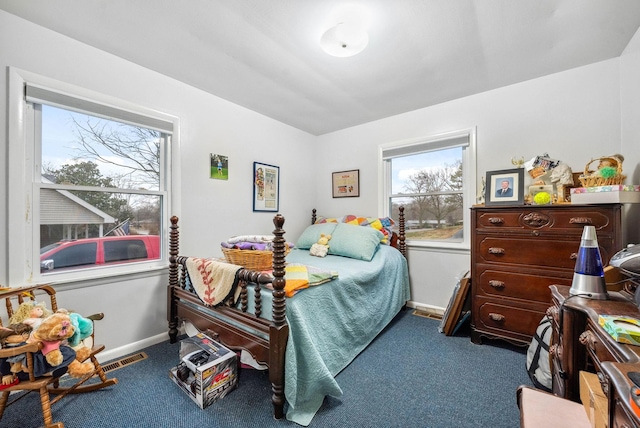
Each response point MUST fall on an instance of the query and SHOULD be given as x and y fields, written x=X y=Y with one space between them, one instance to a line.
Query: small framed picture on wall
x=346 y=184
x=266 y=187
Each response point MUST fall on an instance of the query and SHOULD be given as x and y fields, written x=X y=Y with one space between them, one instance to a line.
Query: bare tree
x=135 y=149
x=434 y=187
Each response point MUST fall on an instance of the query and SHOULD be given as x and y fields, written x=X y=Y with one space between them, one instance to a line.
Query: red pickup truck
x=101 y=251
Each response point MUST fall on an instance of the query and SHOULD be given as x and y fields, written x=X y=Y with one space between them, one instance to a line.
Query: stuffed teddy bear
x=53 y=333
x=320 y=248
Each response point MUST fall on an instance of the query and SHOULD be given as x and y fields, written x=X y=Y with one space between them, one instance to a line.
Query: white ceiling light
x=349 y=36
x=344 y=40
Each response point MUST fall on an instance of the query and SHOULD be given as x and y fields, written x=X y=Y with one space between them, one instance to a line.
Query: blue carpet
x=411 y=375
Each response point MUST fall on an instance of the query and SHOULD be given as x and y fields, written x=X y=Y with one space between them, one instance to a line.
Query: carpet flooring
x=411 y=375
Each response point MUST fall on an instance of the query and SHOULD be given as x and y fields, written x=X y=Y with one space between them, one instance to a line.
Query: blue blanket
x=329 y=325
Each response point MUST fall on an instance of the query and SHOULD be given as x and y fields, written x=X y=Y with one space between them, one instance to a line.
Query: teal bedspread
x=330 y=324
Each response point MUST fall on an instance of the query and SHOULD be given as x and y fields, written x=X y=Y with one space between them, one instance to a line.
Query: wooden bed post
x=401 y=237
x=279 y=329
x=174 y=236
x=313 y=216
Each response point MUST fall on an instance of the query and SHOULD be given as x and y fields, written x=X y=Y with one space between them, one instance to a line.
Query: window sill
x=449 y=247
x=93 y=278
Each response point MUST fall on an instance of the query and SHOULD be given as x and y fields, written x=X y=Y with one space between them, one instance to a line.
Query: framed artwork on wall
x=266 y=187
x=219 y=168
x=505 y=187
x=346 y=184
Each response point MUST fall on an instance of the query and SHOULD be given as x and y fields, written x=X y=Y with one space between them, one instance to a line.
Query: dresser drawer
x=601 y=347
x=526 y=286
x=564 y=220
x=502 y=319
x=537 y=252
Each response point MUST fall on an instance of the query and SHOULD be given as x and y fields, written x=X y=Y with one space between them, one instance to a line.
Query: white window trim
x=22 y=257
x=468 y=177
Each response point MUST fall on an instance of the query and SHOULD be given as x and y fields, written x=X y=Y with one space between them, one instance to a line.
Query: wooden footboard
x=237 y=328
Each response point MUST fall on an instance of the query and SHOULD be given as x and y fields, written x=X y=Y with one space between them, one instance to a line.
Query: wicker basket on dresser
x=517 y=252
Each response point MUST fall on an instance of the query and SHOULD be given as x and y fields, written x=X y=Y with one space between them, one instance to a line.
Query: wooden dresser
x=517 y=252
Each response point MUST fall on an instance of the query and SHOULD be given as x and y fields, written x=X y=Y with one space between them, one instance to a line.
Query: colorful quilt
x=383 y=224
x=301 y=276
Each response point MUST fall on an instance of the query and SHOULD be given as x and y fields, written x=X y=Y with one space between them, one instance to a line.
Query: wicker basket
x=592 y=178
x=250 y=259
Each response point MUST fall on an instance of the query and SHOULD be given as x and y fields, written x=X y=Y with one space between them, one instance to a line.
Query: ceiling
x=265 y=54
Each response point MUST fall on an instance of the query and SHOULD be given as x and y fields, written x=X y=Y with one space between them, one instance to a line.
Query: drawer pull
x=588 y=339
x=580 y=220
x=496 y=250
x=496 y=317
x=573 y=256
x=496 y=220
x=496 y=284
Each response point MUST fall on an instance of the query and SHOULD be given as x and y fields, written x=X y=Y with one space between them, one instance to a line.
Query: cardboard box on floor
x=207 y=372
x=593 y=399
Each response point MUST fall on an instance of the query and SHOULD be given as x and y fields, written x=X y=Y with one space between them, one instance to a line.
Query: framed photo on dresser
x=505 y=187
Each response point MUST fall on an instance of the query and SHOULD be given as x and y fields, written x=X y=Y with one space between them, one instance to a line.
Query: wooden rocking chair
x=48 y=384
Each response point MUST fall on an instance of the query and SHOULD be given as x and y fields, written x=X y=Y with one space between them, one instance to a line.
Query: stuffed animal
x=31 y=313
x=12 y=336
x=83 y=329
x=320 y=248
x=53 y=333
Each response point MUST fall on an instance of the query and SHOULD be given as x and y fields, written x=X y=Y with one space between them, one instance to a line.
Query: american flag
x=122 y=229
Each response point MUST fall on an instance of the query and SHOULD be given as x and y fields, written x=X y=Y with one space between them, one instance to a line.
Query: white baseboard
x=430 y=309
x=130 y=348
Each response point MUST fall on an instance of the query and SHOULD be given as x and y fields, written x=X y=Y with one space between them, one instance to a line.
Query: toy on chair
x=36 y=363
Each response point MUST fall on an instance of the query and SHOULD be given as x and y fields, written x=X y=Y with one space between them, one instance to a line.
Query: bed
x=306 y=339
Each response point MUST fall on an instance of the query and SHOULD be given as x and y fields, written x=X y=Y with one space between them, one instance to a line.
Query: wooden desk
x=619 y=387
x=578 y=342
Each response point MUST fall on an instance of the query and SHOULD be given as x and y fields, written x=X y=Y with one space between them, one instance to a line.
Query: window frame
x=433 y=143
x=24 y=184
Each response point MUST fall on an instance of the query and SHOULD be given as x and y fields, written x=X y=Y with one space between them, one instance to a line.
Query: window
x=434 y=179
x=96 y=170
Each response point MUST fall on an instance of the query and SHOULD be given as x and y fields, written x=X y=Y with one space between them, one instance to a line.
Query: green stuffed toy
x=83 y=329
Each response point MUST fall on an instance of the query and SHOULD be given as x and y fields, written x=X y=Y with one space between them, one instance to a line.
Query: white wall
x=212 y=210
x=573 y=116
x=630 y=125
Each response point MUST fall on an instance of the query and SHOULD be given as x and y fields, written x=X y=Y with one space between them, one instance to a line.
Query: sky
x=404 y=167
x=60 y=145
